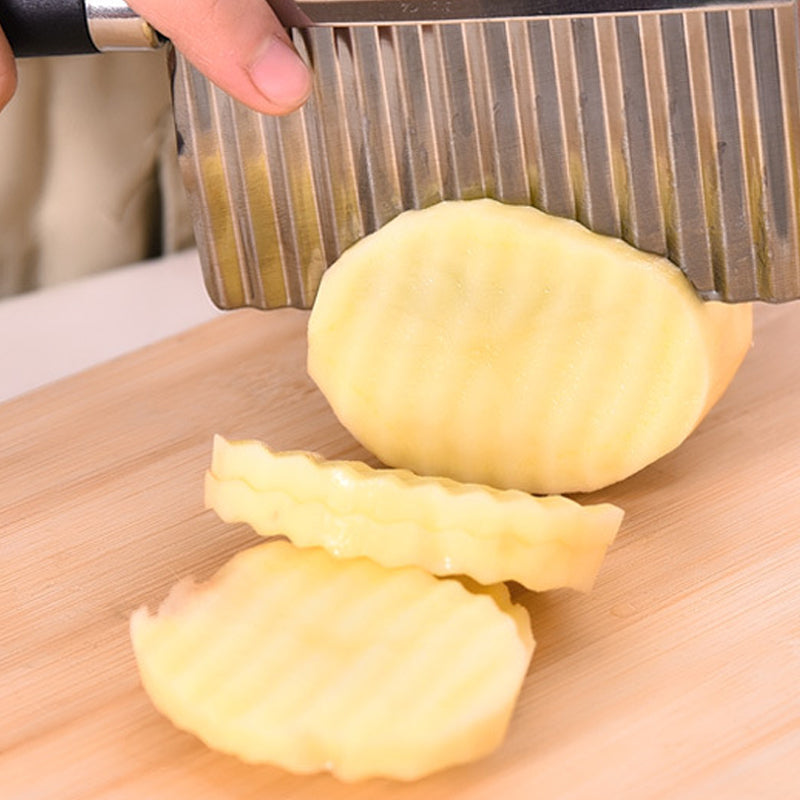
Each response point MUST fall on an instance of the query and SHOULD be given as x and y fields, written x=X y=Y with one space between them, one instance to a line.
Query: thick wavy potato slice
x=500 y=345
x=295 y=658
x=398 y=519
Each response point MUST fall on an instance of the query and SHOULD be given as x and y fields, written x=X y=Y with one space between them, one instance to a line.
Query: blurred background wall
x=88 y=170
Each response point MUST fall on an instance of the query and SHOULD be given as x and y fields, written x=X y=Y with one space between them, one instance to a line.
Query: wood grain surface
x=676 y=678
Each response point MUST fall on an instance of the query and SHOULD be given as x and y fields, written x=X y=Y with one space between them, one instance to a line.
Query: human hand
x=8 y=72
x=238 y=44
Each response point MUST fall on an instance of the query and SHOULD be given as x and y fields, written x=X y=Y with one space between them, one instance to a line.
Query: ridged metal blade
x=677 y=131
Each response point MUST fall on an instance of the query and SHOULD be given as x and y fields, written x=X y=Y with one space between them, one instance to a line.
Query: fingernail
x=281 y=75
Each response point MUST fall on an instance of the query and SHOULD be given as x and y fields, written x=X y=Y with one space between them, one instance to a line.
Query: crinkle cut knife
x=673 y=125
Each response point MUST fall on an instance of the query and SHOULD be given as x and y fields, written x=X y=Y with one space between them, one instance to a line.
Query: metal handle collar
x=113 y=25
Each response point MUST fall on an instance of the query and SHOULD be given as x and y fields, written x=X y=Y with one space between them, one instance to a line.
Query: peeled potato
x=497 y=344
x=298 y=659
x=398 y=519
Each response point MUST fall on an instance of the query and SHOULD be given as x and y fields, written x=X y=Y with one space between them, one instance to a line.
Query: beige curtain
x=88 y=172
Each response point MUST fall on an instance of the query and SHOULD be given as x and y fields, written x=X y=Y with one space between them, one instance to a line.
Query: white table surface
x=51 y=333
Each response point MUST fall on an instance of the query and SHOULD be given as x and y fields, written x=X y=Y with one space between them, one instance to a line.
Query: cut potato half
x=500 y=345
x=298 y=659
x=398 y=519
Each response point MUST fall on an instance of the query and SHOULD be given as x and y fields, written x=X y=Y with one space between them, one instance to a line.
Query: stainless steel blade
x=676 y=130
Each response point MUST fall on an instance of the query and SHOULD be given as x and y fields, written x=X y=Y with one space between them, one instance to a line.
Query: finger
x=239 y=44
x=8 y=72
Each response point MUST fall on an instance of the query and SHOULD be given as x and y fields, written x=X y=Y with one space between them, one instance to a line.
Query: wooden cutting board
x=677 y=677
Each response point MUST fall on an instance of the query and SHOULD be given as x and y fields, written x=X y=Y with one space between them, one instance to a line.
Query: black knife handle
x=46 y=27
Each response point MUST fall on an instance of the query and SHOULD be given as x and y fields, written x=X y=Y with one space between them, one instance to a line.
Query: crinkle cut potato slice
x=501 y=345
x=295 y=658
x=399 y=519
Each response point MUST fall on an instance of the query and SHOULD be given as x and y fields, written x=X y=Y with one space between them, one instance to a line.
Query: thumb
x=239 y=45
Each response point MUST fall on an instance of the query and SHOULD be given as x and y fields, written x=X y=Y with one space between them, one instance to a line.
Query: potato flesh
x=500 y=345
x=298 y=659
x=399 y=519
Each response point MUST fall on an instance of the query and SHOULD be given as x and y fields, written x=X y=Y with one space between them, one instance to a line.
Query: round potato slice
x=497 y=344
x=295 y=658
x=400 y=519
